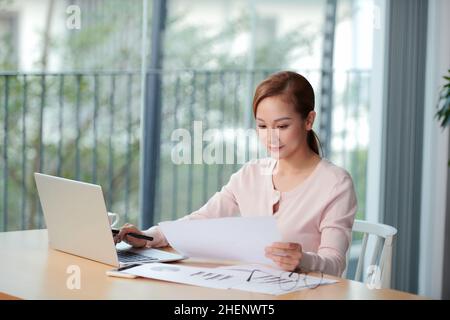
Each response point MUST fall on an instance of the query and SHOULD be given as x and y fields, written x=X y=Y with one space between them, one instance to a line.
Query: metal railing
x=86 y=126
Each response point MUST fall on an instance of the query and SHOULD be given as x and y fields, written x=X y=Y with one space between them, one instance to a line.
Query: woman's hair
x=295 y=89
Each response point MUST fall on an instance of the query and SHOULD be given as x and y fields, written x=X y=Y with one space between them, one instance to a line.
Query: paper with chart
x=271 y=280
x=264 y=279
x=204 y=277
x=232 y=238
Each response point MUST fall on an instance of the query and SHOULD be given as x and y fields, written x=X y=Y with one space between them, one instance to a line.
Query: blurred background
x=93 y=89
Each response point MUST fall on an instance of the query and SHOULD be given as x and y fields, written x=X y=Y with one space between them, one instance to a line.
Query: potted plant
x=443 y=113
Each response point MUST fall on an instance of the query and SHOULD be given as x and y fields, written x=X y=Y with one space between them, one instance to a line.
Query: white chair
x=382 y=261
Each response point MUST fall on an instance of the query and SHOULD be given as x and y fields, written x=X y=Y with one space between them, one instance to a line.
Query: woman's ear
x=310 y=120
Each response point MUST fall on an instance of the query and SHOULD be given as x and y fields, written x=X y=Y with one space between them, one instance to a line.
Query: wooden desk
x=30 y=270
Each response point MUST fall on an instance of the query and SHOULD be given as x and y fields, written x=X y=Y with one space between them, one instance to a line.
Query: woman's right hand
x=123 y=236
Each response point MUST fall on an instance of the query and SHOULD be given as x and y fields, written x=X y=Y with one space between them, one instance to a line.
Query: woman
x=312 y=200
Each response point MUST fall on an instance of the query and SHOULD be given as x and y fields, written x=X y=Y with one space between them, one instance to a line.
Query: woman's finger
x=290 y=265
x=287 y=260
x=121 y=233
x=281 y=252
x=287 y=266
x=284 y=253
x=286 y=245
x=124 y=231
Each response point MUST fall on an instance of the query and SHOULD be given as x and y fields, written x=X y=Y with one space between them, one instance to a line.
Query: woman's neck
x=299 y=162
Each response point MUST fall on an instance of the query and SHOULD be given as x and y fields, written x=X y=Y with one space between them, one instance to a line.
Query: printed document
x=231 y=238
x=252 y=278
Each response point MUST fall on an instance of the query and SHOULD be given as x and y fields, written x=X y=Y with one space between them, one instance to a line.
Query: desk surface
x=30 y=270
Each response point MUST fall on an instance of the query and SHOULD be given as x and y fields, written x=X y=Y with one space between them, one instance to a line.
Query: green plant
x=443 y=113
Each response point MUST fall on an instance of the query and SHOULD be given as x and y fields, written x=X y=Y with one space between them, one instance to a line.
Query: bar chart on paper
x=272 y=281
x=264 y=279
x=204 y=277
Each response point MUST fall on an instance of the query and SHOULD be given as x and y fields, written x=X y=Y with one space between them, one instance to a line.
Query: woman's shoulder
x=262 y=166
x=256 y=168
x=333 y=173
x=265 y=166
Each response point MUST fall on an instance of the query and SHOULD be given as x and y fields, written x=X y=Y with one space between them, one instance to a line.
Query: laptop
x=77 y=222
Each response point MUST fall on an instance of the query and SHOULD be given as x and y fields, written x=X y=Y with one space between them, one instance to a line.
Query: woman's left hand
x=287 y=255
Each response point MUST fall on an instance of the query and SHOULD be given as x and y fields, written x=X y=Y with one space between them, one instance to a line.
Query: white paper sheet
x=270 y=280
x=204 y=277
x=233 y=238
x=265 y=280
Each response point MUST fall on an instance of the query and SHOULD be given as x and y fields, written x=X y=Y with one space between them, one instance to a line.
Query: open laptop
x=77 y=223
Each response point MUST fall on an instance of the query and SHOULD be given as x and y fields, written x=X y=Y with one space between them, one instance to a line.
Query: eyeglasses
x=287 y=280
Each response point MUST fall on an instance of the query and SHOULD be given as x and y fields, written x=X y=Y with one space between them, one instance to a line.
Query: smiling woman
x=293 y=90
x=312 y=199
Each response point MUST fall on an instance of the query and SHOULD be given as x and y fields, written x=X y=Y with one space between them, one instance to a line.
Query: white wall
x=376 y=113
x=435 y=154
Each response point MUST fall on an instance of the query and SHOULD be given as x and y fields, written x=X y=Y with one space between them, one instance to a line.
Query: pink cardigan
x=318 y=213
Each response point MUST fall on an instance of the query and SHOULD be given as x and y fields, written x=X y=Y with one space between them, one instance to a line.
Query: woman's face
x=281 y=128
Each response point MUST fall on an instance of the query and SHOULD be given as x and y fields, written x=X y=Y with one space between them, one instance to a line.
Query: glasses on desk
x=287 y=280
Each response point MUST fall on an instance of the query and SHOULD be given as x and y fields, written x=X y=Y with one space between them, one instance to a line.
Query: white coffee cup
x=113 y=218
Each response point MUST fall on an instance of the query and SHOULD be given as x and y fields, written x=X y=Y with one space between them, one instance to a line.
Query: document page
x=204 y=277
x=273 y=281
x=231 y=238
x=252 y=278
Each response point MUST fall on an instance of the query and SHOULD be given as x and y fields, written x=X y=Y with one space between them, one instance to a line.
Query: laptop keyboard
x=128 y=256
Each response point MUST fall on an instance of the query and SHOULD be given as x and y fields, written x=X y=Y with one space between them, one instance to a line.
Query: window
x=215 y=53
